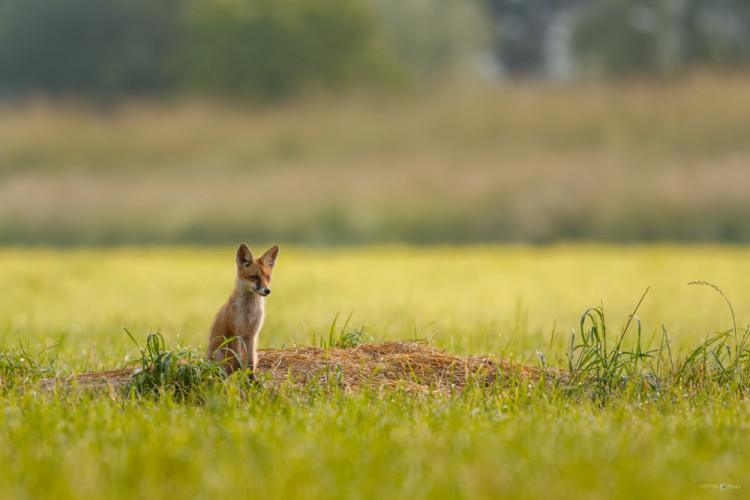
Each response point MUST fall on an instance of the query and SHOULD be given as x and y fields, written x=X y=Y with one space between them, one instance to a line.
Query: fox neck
x=248 y=300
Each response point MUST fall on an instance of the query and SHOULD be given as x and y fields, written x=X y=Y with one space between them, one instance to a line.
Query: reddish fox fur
x=242 y=315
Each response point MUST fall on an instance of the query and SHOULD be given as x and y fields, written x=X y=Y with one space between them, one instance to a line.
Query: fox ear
x=244 y=256
x=269 y=258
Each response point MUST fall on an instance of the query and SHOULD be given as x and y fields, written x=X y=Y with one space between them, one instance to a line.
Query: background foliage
x=249 y=48
x=109 y=49
x=362 y=121
x=616 y=162
x=664 y=36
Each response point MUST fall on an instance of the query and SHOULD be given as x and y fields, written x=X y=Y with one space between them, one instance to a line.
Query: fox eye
x=268 y=277
x=254 y=277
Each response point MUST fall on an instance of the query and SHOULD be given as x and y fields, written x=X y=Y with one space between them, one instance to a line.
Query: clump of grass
x=20 y=367
x=342 y=335
x=182 y=373
x=722 y=359
x=602 y=371
x=598 y=368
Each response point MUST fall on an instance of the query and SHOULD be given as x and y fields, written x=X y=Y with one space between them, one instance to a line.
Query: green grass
x=370 y=445
x=492 y=299
x=655 y=405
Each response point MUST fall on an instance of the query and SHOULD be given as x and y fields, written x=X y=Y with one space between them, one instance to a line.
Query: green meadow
x=505 y=300
x=462 y=216
x=66 y=311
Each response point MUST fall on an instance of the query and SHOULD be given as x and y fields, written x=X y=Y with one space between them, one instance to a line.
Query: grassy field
x=637 y=161
x=487 y=299
x=618 y=162
x=688 y=439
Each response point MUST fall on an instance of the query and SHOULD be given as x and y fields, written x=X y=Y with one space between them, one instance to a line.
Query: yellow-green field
x=634 y=162
x=511 y=441
x=476 y=299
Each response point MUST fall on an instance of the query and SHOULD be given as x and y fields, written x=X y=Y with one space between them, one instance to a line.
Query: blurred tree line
x=259 y=48
x=664 y=36
x=566 y=38
x=268 y=48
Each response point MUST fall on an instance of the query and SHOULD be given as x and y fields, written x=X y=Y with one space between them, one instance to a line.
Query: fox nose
x=267 y=291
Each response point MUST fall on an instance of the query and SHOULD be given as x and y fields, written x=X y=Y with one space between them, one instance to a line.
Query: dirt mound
x=409 y=365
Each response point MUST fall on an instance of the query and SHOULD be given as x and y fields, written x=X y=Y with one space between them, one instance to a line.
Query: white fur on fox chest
x=249 y=320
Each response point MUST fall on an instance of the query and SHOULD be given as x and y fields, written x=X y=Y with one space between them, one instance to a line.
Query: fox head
x=254 y=275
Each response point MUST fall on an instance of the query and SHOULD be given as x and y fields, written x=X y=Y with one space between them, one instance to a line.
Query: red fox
x=242 y=315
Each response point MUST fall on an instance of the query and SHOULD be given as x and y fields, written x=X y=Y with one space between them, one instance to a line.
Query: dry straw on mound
x=408 y=365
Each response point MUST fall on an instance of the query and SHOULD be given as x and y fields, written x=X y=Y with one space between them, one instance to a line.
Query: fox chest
x=248 y=321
